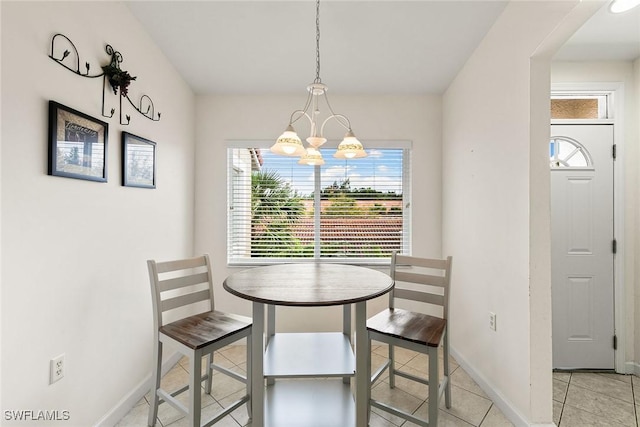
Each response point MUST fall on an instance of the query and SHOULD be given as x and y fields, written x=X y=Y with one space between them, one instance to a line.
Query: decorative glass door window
x=568 y=153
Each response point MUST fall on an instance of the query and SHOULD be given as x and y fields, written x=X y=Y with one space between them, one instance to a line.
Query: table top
x=308 y=284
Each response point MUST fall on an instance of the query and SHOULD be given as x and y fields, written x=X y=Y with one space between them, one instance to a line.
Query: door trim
x=616 y=90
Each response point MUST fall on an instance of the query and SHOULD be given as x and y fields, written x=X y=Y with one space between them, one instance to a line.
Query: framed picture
x=138 y=161
x=77 y=144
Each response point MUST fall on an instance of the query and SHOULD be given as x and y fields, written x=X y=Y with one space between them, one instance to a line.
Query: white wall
x=607 y=73
x=496 y=207
x=74 y=277
x=222 y=118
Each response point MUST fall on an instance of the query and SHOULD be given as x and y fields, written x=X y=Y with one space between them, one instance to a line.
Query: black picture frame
x=77 y=144
x=138 y=161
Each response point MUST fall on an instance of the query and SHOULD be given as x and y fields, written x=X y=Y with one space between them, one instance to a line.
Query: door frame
x=616 y=118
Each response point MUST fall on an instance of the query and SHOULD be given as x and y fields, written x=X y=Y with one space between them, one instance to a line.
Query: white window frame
x=265 y=144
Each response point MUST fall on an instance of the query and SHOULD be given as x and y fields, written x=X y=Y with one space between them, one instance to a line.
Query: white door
x=582 y=246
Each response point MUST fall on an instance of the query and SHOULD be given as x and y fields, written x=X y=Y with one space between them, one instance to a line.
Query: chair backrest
x=180 y=284
x=423 y=280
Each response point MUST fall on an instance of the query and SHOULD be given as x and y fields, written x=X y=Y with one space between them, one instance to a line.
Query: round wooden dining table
x=309 y=285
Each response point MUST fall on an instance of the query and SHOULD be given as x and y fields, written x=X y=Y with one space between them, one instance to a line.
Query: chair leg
x=445 y=353
x=155 y=383
x=392 y=367
x=209 y=380
x=249 y=393
x=195 y=381
x=433 y=386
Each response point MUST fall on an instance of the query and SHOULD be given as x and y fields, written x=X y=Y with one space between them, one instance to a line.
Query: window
x=565 y=153
x=580 y=106
x=354 y=209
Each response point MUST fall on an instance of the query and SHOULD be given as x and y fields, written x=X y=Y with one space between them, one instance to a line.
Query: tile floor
x=579 y=399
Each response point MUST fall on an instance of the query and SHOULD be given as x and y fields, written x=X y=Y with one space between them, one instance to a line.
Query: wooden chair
x=416 y=281
x=179 y=289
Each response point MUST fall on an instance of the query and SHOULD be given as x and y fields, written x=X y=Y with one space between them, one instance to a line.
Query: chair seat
x=409 y=326
x=203 y=329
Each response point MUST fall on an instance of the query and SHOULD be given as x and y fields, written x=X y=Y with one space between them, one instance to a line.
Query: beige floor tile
x=235 y=353
x=414 y=388
x=444 y=419
x=603 y=384
x=207 y=413
x=618 y=377
x=557 y=412
x=395 y=397
x=377 y=421
x=224 y=386
x=167 y=414
x=495 y=418
x=575 y=417
x=173 y=380
x=402 y=355
x=559 y=390
x=592 y=399
x=562 y=376
x=461 y=379
x=421 y=363
x=184 y=363
x=136 y=417
x=467 y=406
x=240 y=415
x=376 y=362
x=610 y=408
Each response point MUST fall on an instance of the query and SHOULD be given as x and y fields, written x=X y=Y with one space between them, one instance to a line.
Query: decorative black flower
x=118 y=79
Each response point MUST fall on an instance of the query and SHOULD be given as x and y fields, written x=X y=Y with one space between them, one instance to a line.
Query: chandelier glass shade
x=290 y=144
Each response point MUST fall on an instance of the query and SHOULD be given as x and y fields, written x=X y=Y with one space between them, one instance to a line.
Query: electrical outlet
x=492 y=321
x=56 y=367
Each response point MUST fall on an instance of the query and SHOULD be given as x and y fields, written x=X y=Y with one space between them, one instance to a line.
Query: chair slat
x=171 y=303
x=439 y=264
x=181 y=282
x=182 y=264
x=419 y=296
x=425 y=279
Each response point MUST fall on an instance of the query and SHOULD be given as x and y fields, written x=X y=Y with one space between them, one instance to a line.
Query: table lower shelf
x=309 y=403
x=315 y=354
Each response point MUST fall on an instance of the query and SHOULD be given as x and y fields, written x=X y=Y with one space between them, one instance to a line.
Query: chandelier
x=289 y=143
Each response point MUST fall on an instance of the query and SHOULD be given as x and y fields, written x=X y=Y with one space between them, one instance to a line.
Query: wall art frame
x=78 y=144
x=138 y=161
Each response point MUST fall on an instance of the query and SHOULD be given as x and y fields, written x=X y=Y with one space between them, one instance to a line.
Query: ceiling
x=366 y=46
x=605 y=37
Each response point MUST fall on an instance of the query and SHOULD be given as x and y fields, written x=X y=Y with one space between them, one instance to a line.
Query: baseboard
x=125 y=405
x=632 y=368
x=498 y=399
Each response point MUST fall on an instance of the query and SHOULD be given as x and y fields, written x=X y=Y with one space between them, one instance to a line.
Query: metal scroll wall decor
x=117 y=78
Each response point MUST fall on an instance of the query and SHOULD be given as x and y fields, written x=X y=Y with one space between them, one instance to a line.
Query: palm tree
x=275 y=207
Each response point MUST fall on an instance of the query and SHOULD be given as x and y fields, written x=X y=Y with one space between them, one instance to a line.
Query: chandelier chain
x=317 y=80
